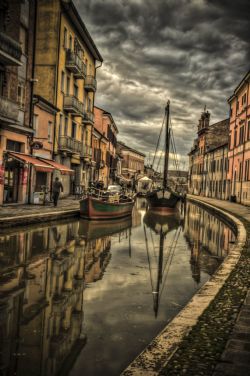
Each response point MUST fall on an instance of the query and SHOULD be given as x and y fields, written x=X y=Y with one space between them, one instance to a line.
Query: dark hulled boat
x=164 y=199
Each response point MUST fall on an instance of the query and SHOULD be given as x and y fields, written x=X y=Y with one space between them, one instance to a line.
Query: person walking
x=56 y=189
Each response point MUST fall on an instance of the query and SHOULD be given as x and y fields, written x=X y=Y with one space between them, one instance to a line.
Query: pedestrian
x=56 y=189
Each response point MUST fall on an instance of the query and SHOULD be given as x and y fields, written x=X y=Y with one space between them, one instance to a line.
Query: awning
x=38 y=164
x=58 y=166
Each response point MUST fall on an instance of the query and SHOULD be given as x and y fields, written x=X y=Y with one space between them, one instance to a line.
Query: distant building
x=239 y=143
x=106 y=131
x=132 y=162
x=208 y=158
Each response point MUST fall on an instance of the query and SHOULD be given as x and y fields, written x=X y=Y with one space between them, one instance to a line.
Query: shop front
x=25 y=177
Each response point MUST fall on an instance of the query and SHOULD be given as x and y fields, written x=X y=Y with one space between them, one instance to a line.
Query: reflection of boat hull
x=98 y=229
x=158 y=222
x=93 y=208
x=163 y=200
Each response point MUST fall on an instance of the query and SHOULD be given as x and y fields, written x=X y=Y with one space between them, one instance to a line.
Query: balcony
x=10 y=50
x=8 y=110
x=88 y=118
x=86 y=152
x=90 y=83
x=73 y=105
x=75 y=64
x=69 y=144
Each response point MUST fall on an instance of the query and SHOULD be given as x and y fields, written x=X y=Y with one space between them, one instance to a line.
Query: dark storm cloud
x=194 y=52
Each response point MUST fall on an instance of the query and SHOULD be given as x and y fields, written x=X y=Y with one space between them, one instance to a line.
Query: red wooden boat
x=99 y=208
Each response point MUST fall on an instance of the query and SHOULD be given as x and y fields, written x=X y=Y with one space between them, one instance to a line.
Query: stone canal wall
x=193 y=340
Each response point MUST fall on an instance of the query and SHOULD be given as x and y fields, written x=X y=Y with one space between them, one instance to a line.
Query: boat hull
x=92 y=208
x=163 y=201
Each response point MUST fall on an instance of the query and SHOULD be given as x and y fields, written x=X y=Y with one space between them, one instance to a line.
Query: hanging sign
x=1 y=173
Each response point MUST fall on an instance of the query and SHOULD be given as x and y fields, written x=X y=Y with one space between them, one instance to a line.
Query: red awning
x=38 y=164
x=58 y=166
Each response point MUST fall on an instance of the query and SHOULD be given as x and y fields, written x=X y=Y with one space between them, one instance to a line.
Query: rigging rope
x=158 y=141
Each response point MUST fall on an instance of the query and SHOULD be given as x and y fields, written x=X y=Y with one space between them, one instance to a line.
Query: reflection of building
x=43 y=274
x=207 y=236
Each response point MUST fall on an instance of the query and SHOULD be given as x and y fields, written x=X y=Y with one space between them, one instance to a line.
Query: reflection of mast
x=129 y=243
x=159 y=275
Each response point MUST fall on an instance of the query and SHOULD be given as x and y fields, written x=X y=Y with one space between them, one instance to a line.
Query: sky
x=192 y=52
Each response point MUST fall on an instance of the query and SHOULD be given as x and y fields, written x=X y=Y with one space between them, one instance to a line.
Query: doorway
x=11 y=181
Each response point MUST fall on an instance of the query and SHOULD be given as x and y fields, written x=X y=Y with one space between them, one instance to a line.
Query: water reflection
x=50 y=322
x=209 y=240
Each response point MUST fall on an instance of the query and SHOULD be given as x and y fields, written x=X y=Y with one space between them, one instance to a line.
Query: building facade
x=208 y=159
x=65 y=69
x=17 y=20
x=239 y=143
x=108 y=131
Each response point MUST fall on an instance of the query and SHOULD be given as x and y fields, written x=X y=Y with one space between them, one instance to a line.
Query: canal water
x=85 y=298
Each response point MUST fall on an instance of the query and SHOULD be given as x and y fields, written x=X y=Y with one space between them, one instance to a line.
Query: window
x=13 y=146
x=35 y=124
x=65 y=38
x=247 y=172
x=248 y=130
x=240 y=171
x=70 y=42
x=66 y=122
x=231 y=112
x=50 y=131
x=61 y=125
x=235 y=138
x=62 y=81
x=241 y=140
x=68 y=85
x=89 y=109
x=237 y=106
x=75 y=89
x=21 y=95
x=2 y=81
x=73 y=129
x=244 y=99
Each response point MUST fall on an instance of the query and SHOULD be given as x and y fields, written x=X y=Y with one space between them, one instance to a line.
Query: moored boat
x=164 y=199
x=103 y=208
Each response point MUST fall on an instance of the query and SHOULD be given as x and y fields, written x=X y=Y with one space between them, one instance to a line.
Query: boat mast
x=165 y=176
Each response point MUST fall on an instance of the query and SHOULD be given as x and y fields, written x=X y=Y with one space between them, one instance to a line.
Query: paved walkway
x=235 y=359
x=11 y=215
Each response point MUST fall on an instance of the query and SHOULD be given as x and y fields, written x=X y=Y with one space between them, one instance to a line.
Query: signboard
x=38 y=198
x=1 y=173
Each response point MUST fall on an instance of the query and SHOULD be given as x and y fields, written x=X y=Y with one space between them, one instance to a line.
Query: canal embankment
x=211 y=335
x=20 y=215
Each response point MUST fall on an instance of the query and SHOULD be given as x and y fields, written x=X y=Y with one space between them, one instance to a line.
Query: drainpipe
x=244 y=145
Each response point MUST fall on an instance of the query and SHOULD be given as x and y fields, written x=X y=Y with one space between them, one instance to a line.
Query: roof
x=245 y=79
x=80 y=26
x=124 y=146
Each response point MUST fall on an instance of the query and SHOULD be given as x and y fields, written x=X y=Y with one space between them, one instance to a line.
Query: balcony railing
x=10 y=50
x=73 y=105
x=70 y=144
x=75 y=64
x=8 y=109
x=88 y=117
x=87 y=151
x=90 y=83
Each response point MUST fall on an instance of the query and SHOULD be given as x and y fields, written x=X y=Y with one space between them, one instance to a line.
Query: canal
x=85 y=298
